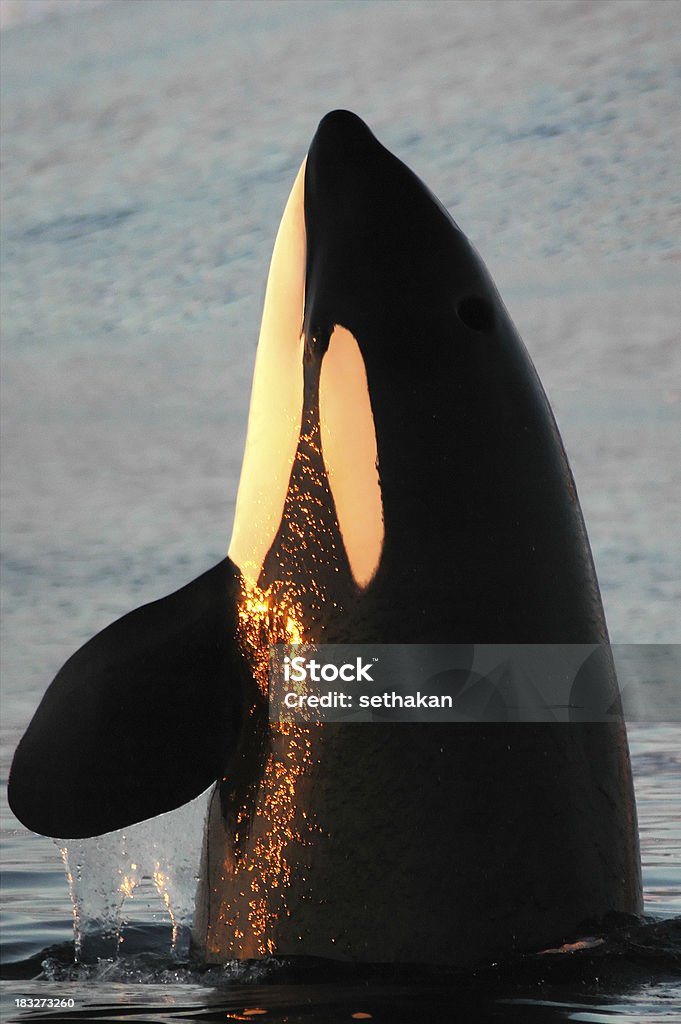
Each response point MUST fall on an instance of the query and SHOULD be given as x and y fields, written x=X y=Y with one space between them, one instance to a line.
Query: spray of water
x=143 y=875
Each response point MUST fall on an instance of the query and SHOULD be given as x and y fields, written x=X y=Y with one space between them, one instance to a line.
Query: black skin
x=139 y=720
x=484 y=539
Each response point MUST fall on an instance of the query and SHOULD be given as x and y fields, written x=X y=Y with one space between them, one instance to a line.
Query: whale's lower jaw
x=474 y=842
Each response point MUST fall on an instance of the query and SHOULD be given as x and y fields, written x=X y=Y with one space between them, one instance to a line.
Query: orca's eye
x=476 y=313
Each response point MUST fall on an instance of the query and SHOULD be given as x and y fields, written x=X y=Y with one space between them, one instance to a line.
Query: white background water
x=148 y=149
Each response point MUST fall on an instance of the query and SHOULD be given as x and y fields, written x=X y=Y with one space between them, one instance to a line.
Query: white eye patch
x=350 y=455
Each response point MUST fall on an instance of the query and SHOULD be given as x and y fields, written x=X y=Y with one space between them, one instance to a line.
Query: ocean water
x=148 y=149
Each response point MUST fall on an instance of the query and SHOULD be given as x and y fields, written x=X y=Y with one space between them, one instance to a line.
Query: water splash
x=146 y=872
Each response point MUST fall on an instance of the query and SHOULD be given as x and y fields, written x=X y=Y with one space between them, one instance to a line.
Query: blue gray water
x=148 y=149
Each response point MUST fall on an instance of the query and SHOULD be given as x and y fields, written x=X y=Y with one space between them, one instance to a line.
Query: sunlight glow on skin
x=333 y=449
x=350 y=455
x=277 y=395
x=264 y=871
x=348 y=436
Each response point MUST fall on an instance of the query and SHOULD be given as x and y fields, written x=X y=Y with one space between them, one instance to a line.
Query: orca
x=403 y=481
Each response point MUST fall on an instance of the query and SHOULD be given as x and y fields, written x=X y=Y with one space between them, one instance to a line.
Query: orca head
x=384 y=257
x=381 y=319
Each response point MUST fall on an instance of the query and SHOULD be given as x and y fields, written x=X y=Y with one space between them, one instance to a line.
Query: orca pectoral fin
x=138 y=721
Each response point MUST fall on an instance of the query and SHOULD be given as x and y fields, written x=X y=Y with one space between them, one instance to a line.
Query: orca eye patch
x=476 y=313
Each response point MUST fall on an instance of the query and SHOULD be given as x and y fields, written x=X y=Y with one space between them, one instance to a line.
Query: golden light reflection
x=277 y=395
x=127 y=886
x=574 y=947
x=255 y=1011
x=160 y=880
x=286 y=606
x=129 y=882
x=308 y=531
x=263 y=874
x=348 y=439
x=64 y=851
